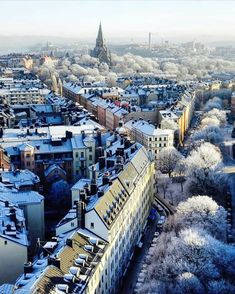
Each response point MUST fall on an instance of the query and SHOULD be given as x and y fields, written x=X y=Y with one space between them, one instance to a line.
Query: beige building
x=153 y=138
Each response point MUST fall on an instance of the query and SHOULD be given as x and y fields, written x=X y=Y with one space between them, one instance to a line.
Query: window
x=27 y=155
x=160 y=139
x=90 y=149
x=92 y=226
x=164 y=138
x=76 y=154
x=150 y=139
x=160 y=145
x=5 y=242
x=72 y=224
x=28 y=163
x=82 y=154
x=90 y=157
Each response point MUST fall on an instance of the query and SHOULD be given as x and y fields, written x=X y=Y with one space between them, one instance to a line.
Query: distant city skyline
x=130 y=20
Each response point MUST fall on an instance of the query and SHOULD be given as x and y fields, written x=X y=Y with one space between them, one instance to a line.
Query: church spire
x=99 y=39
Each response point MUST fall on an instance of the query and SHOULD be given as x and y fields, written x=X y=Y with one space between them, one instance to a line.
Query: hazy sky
x=120 y=19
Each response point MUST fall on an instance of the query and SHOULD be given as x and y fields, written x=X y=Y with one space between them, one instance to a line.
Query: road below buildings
x=232 y=190
x=230 y=170
x=137 y=261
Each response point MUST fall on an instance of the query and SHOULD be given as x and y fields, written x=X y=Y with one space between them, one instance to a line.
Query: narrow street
x=137 y=261
x=232 y=190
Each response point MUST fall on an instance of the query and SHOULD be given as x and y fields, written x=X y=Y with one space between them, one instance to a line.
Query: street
x=137 y=261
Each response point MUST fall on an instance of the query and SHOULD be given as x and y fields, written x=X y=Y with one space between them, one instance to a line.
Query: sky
x=129 y=20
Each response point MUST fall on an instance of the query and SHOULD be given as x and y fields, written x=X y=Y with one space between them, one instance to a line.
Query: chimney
x=110 y=163
x=54 y=261
x=101 y=162
x=93 y=186
x=105 y=179
x=82 y=195
x=69 y=242
x=132 y=149
x=80 y=209
x=83 y=134
x=28 y=267
x=127 y=143
x=99 y=138
x=100 y=194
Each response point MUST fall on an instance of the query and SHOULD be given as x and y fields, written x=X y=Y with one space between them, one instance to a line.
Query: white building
x=153 y=138
x=13 y=241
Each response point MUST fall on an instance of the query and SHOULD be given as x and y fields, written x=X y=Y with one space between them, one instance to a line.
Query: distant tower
x=149 y=41
x=100 y=51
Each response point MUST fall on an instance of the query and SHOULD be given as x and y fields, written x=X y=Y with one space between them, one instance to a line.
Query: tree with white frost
x=167 y=159
x=180 y=171
x=211 y=134
x=205 y=213
x=214 y=114
x=188 y=262
x=220 y=287
x=215 y=102
x=204 y=174
x=210 y=121
x=59 y=194
x=162 y=182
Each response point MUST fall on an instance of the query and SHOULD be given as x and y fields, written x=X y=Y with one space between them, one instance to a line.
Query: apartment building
x=20 y=188
x=182 y=113
x=53 y=151
x=110 y=215
x=150 y=136
x=13 y=241
x=23 y=91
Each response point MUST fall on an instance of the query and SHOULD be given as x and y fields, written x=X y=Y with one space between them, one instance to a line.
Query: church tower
x=99 y=39
x=100 y=51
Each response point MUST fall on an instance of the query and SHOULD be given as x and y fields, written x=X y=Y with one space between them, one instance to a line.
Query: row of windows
x=158 y=138
x=158 y=145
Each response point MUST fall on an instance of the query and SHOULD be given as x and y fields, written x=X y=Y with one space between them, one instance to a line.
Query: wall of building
x=34 y=214
x=12 y=259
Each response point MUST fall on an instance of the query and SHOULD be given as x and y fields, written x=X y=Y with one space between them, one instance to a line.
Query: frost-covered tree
x=188 y=283
x=220 y=115
x=221 y=287
x=188 y=262
x=215 y=102
x=162 y=182
x=59 y=193
x=180 y=171
x=205 y=213
x=204 y=175
x=210 y=121
x=167 y=159
x=211 y=134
